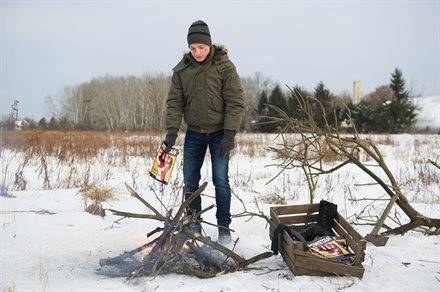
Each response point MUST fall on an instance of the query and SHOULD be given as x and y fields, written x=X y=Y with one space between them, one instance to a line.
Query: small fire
x=146 y=251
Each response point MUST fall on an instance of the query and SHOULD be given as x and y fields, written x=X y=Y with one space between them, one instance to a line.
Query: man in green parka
x=206 y=90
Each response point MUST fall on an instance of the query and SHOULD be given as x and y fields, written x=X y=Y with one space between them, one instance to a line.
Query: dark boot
x=327 y=213
x=196 y=228
x=224 y=234
x=194 y=224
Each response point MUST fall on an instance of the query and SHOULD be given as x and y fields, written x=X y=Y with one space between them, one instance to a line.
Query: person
x=205 y=90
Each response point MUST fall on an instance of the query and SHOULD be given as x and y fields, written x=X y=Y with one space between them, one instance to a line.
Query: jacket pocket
x=217 y=104
x=190 y=114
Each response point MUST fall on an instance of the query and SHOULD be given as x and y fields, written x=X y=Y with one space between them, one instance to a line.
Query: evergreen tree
x=402 y=111
x=263 y=122
x=323 y=95
x=262 y=103
x=42 y=123
x=293 y=102
x=371 y=117
x=277 y=99
x=266 y=123
x=53 y=124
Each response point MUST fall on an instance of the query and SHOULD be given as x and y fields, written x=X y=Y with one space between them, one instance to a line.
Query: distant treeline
x=389 y=108
x=131 y=103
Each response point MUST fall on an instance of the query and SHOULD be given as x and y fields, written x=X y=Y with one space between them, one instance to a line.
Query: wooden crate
x=295 y=253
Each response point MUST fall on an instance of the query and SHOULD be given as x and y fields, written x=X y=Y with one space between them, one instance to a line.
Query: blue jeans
x=194 y=151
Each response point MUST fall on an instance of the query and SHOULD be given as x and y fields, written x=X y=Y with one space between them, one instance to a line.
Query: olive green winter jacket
x=208 y=95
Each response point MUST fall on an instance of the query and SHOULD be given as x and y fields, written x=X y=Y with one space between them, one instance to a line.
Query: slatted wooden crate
x=295 y=253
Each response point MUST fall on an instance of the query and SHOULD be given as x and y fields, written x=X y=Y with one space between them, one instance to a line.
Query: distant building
x=357 y=93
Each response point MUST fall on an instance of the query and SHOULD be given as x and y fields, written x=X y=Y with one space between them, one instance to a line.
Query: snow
x=48 y=242
x=429 y=113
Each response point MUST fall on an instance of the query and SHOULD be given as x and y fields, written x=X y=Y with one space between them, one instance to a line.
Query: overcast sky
x=47 y=45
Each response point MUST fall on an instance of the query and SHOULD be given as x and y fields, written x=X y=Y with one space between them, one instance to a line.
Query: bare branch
x=135 y=215
x=136 y=195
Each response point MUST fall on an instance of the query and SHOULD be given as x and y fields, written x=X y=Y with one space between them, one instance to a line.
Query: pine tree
x=263 y=122
x=323 y=95
x=262 y=103
x=402 y=111
x=397 y=85
x=266 y=123
x=371 y=117
x=293 y=102
x=42 y=123
x=277 y=99
x=53 y=124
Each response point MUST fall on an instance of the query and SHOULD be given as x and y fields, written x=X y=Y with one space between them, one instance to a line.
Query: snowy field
x=49 y=243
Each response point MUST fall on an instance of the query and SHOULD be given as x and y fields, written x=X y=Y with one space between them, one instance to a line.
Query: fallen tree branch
x=135 y=215
x=317 y=142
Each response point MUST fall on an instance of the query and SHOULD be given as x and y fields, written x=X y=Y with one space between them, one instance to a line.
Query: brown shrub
x=97 y=193
x=95 y=209
x=273 y=199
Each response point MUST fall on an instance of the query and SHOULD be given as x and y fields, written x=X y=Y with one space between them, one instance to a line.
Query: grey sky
x=47 y=45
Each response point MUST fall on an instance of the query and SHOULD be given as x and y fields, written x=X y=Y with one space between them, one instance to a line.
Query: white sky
x=47 y=45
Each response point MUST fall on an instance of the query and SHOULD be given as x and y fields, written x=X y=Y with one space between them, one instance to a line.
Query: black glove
x=170 y=138
x=227 y=143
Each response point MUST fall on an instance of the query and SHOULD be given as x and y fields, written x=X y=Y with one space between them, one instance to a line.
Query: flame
x=145 y=252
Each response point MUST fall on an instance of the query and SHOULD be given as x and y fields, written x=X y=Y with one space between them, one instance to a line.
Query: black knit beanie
x=198 y=33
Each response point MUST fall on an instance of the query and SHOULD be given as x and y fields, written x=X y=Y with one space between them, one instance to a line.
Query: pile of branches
x=177 y=249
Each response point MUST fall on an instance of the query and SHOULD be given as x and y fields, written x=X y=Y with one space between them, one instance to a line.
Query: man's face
x=199 y=51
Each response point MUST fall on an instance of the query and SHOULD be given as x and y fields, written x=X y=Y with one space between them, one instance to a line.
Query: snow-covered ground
x=48 y=242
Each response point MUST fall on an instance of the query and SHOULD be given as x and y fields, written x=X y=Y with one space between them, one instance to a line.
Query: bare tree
x=380 y=94
x=157 y=90
x=252 y=87
x=117 y=103
x=136 y=103
x=308 y=153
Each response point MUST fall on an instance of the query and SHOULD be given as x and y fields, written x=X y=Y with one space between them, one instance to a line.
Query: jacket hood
x=218 y=53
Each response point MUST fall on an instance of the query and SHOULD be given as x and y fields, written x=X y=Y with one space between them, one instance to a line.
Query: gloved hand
x=170 y=138
x=227 y=143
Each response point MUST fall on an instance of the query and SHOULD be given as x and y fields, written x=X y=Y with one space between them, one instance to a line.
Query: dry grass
x=273 y=199
x=97 y=193
x=328 y=155
x=74 y=159
x=252 y=145
x=65 y=145
x=68 y=159
x=81 y=145
x=385 y=140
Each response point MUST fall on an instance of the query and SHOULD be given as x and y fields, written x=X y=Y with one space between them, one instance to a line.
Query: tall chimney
x=357 y=94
